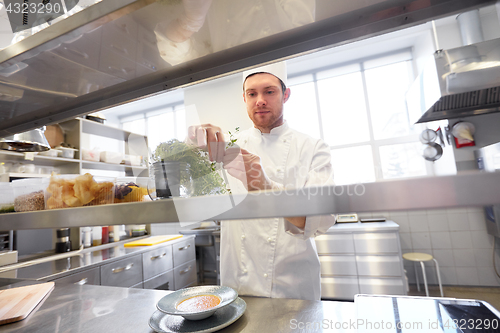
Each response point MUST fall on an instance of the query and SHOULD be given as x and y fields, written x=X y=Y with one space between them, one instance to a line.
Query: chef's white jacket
x=271 y=257
x=234 y=22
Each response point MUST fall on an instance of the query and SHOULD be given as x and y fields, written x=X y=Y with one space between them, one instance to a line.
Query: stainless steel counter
x=71 y=308
x=92 y=256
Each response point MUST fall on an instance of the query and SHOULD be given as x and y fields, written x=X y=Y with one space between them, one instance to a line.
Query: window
x=359 y=110
x=159 y=125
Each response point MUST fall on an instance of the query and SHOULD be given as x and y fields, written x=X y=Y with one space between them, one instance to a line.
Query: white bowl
x=169 y=303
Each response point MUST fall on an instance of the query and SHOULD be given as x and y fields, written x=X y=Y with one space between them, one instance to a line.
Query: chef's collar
x=275 y=131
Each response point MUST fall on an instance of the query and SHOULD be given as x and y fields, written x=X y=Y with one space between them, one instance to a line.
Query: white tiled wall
x=457 y=238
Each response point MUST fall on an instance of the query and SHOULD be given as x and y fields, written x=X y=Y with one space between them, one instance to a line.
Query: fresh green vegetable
x=205 y=178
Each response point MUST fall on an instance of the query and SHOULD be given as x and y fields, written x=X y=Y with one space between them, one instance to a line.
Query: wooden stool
x=421 y=257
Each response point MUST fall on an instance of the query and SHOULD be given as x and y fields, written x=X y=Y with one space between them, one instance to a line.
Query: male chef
x=271 y=257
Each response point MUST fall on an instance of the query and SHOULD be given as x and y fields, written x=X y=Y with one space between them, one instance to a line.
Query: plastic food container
x=67 y=152
x=111 y=157
x=6 y=198
x=133 y=160
x=28 y=194
x=91 y=155
x=131 y=189
x=65 y=191
x=51 y=153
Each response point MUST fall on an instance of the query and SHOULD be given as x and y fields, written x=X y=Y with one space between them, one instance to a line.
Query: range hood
x=459 y=82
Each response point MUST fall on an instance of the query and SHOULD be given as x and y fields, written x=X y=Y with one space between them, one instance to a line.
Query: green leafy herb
x=204 y=180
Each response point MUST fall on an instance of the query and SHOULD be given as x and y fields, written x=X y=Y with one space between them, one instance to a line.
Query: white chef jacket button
x=265 y=275
x=279 y=169
x=269 y=239
x=284 y=140
x=242 y=236
x=245 y=270
x=245 y=141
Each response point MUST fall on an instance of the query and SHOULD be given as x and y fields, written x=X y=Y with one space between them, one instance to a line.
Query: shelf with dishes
x=71 y=156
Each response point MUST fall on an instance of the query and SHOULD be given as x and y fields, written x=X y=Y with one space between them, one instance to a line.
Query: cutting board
x=17 y=303
x=153 y=240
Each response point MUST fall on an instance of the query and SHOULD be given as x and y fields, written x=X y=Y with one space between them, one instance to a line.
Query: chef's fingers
x=221 y=147
x=191 y=131
x=201 y=137
x=213 y=142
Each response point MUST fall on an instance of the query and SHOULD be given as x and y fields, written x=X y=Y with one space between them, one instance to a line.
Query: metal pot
x=432 y=151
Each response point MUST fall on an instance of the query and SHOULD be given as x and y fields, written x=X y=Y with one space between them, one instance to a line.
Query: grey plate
x=165 y=323
x=168 y=304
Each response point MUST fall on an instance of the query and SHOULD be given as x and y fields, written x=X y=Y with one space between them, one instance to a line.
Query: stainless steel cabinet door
x=339 y=287
x=163 y=281
x=90 y=276
x=338 y=243
x=185 y=275
x=379 y=265
x=157 y=261
x=122 y=273
x=381 y=286
x=380 y=242
x=183 y=251
x=338 y=265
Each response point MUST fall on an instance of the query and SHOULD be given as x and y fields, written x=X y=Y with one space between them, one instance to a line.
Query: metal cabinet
x=89 y=276
x=122 y=273
x=157 y=261
x=184 y=251
x=359 y=258
x=185 y=275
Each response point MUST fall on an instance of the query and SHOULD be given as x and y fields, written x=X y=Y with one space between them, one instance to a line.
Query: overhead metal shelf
x=465 y=190
x=65 y=75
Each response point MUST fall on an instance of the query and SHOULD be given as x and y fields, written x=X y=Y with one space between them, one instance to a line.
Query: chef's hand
x=247 y=167
x=190 y=21
x=208 y=136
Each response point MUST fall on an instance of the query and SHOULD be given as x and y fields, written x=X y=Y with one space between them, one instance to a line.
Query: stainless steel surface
x=122 y=273
x=71 y=308
x=382 y=242
x=329 y=243
x=157 y=261
x=381 y=286
x=54 y=267
x=185 y=275
x=184 y=251
x=379 y=265
x=360 y=257
x=409 y=194
x=459 y=82
x=339 y=287
x=163 y=281
x=89 y=276
x=57 y=63
x=338 y=265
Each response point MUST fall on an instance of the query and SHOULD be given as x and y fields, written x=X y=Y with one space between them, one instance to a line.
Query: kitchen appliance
x=458 y=82
x=346 y=218
x=488 y=159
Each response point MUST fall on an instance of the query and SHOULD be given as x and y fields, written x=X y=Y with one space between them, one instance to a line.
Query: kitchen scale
x=353 y=218
x=347 y=218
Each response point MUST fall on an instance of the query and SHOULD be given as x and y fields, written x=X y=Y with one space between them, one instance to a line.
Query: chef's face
x=264 y=98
